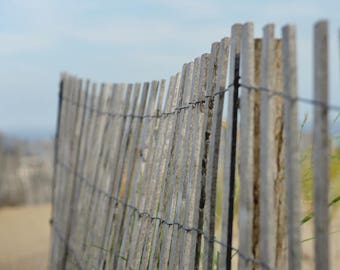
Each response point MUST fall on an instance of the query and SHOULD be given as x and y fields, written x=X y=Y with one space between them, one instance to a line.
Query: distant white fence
x=138 y=167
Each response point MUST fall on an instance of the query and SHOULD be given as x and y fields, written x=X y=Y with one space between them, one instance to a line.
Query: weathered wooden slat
x=65 y=81
x=267 y=214
x=86 y=173
x=293 y=189
x=321 y=147
x=272 y=189
x=122 y=102
x=66 y=179
x=84 y=188
x=218 y=86
x=180 y=165
x=230 y=147
x=165 y=173
x=186 y=214
x=256 y=150
x=246 y=199
x=158 y=175
x=135 y=166
x=74 y=236
x=73 y=180
x=153 y=182
x=99 y=128
x=131 y=140
x=120 y=108
x=146 y=151
x=203 y=224
x=198 y=137
x=124 y=126
x=144 y=148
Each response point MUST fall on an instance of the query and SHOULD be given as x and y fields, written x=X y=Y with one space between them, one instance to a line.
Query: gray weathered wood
x=160 y=162
x=218 y=86
x=111 y=173
x=59 y=169
x=198 y=137
x=203 y=223
x=235 y=44
x=85 y=174
x=84 y=188
x=321 y=147
x=73 y=181
x=246 y=199
x=293 y=189
x=145 y=143
x=154 y=192
x=180 y=157
x=66 y=181
x=164 y=245
x=129 y=195
x=267 y=215
x=122 y=102
x=98 y=137
x=272 y=189
x=185 y=239
x=74 y=236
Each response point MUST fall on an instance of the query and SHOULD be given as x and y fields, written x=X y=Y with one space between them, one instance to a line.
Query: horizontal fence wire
x=288 y=97
x=193 y=103
x=180 y=226
x=158 y=115
x=68 y=245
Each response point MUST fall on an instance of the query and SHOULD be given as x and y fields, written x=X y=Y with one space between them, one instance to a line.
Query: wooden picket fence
x=137 y=165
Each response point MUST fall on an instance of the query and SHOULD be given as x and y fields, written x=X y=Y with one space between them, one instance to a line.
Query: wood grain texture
x=245 y=211
x=267 y=213
x=235 y=43
x=321 y=147
x=293 y=189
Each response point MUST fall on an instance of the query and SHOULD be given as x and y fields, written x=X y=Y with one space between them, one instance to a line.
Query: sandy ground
x=24 y=237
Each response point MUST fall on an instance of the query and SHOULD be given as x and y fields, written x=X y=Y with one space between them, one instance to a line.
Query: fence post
x=320 y=146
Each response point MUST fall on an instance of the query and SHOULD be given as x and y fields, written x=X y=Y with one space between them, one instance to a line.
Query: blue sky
x=128 y=41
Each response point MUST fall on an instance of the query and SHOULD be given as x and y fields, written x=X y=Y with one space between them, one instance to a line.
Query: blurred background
x=111 y=41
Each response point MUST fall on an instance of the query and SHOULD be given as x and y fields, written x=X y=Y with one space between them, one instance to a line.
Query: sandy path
x=24 y=237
